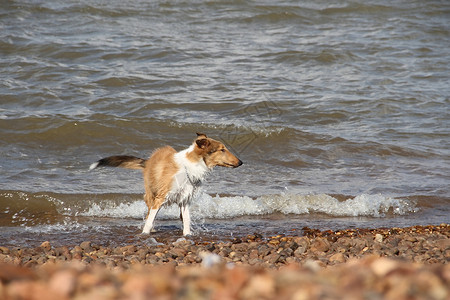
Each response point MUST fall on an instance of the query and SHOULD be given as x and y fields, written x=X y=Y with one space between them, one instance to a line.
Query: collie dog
x=175 y=177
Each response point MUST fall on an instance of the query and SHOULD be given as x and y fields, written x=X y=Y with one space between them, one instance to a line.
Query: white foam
x=123 y=210
x=66 y=226
x=217 y=207
x=93 y=166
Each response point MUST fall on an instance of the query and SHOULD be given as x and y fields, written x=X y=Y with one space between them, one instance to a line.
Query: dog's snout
x=240 y=163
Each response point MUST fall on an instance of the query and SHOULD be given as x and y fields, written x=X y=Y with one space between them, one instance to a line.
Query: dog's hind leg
x=150 y=219
x=151 y=213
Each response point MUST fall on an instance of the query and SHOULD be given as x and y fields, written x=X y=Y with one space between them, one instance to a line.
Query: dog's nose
x=239 y=163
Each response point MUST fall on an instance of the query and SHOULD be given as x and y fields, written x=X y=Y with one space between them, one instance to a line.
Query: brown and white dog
x=175 y=177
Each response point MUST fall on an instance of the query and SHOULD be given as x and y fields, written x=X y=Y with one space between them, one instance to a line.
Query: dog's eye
x=223 y=150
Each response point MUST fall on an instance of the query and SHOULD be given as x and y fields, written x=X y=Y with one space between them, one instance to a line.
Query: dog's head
x=215 y=153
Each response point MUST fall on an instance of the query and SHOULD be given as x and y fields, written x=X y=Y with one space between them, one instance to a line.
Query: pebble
x=337 y=258
x=378 y=238
x=86 y=246
x=46 y=246
x=63 y=282
x=320 y=245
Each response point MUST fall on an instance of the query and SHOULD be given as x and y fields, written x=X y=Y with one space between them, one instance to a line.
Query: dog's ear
x=201 y=135
x=202 y=143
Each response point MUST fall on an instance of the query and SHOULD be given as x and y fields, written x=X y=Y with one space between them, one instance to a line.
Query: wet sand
x=383 y=263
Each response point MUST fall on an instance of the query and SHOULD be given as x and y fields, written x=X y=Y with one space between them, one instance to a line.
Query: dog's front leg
x=186 y=217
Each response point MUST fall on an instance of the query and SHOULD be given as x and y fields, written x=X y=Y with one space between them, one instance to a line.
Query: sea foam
x=223 y=207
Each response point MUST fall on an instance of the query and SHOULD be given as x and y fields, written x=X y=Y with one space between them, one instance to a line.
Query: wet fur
x=175 y=177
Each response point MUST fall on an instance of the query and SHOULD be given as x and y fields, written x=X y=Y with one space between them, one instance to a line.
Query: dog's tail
x=121 y=161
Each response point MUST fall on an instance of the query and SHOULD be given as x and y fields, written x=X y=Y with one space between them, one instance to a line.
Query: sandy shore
x=391 y=263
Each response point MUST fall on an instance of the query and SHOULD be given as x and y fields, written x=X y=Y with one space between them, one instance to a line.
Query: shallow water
x=340 y=113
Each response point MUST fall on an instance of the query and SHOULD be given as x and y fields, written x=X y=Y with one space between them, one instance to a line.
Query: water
x=340 y=113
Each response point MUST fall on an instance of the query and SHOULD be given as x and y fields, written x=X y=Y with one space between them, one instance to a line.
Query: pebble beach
x=382 y=263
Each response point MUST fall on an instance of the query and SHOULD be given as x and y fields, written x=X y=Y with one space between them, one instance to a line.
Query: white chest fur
x=187 y=180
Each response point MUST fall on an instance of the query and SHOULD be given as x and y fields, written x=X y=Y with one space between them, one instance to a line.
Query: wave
x=30 y=209
x=223 y=207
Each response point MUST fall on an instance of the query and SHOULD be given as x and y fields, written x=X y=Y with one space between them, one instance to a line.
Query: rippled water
x=339 y=111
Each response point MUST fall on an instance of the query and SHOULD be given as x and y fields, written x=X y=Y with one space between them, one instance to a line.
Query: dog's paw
x=145 y=233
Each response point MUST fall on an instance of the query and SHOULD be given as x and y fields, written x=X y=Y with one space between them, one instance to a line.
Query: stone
x=63 y=283
x=263 y=250
x=378 y=238
x=260 y=286
x=443 y=244
x=4 y=250
x=320 y=245
x=338 y=258
x=273 y=258
x=382 y=266
x=86 y=246
x=46 y=246
x=254 y=254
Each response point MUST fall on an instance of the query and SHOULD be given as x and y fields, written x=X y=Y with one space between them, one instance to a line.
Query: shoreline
x=330 y=261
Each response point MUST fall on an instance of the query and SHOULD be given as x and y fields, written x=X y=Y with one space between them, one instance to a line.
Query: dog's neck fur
x=192 y=163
